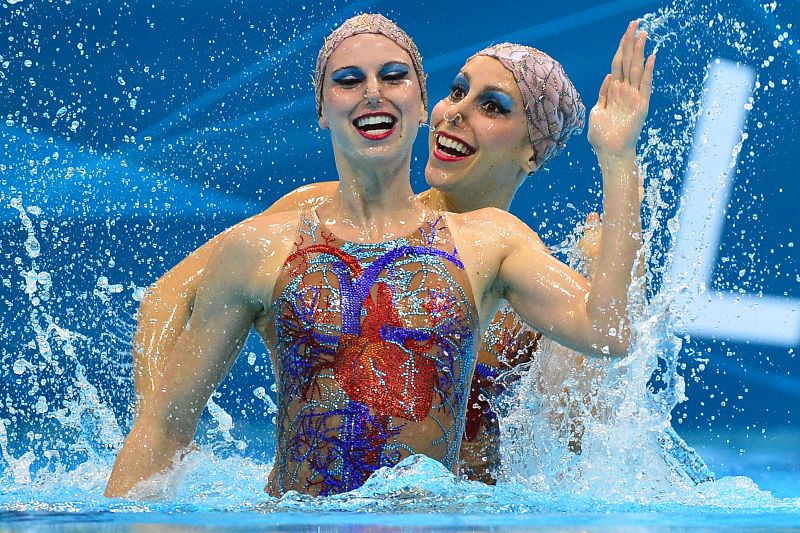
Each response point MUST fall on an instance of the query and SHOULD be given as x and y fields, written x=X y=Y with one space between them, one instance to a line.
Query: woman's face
x=371 y=99
x=483 y=142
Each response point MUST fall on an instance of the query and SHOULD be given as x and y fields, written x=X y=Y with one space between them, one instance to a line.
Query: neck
x=374 y=201
x=468 y=200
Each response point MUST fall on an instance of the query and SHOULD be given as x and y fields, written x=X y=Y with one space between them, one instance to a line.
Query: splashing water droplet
x=33 y=247
x=41 y=405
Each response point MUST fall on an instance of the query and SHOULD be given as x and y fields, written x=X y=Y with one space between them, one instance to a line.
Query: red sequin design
x=379 y=373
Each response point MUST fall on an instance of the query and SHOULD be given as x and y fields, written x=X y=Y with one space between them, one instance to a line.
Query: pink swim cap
x=367 y=23
x=554 y=107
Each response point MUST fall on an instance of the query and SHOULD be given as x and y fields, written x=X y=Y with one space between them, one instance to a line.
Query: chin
x=441 y=178
x=381 y=153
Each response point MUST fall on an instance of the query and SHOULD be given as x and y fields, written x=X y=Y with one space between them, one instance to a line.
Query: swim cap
x=554 y=107
x=367 y=23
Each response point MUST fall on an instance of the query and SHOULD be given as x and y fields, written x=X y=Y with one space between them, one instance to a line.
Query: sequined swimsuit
x=374 y=350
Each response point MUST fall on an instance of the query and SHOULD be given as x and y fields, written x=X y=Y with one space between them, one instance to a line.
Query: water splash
x=622 y=411
x=66 y=398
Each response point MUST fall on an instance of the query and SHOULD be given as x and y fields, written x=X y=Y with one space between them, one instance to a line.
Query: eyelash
x=390 y=77
x=396 y=76
x=349 y=81
x=498 y=109
x=491 y=107
x=453 y=90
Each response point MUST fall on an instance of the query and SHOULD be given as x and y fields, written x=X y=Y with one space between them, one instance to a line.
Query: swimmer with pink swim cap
x=552 y=104
x=372 y=361
x=372 y=24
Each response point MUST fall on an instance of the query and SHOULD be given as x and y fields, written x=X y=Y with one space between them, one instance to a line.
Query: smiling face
x=371 y=99
x=480 y=144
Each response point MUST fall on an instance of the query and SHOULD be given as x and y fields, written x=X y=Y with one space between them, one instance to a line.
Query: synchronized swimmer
x=374 y=327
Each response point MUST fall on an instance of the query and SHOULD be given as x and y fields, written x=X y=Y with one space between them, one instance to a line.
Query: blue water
x=134 y=132
x=419 y=493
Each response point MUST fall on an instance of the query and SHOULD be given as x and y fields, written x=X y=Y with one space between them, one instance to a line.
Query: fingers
x=602 y=99
x=637 y=65
x=590 y=235
x=646 y=85
x=616 y=63
x=628 y=42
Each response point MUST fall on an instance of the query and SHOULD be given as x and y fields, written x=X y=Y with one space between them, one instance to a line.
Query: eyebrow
x=347 y=67
x=492 y=88
x=488 y=88
x=387 y=64
x=395 y=63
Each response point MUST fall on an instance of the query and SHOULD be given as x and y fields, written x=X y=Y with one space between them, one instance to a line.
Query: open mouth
x=375 y=126
x=451 y=148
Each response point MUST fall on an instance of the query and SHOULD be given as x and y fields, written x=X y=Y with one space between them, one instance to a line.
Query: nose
x=455 y=115
x=372 y=93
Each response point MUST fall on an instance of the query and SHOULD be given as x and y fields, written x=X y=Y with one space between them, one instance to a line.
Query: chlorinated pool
x=133 y=132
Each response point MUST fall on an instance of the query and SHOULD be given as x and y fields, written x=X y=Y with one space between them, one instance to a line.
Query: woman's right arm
x=236 y=288
x=167 y=304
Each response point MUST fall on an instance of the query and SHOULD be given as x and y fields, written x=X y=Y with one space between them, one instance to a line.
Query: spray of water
x=623 y=410
x=65 y=387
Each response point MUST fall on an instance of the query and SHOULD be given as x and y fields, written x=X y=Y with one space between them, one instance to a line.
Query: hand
x=616 y=121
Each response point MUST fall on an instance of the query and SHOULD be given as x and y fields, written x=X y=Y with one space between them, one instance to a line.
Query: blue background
x=223 y=123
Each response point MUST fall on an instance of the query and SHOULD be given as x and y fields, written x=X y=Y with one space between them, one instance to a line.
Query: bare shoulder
x=304 y=197
x=493 y=225
x=320 y=187
x=260 y=237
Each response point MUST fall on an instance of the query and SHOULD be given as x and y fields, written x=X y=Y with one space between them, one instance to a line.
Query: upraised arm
x=550 y=296
x=167 y=304
x=595 y=319
x=231 y=295
x=615 y=125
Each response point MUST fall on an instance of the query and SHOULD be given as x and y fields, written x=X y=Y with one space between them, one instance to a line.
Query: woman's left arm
x=615 y=125
x=592 y=318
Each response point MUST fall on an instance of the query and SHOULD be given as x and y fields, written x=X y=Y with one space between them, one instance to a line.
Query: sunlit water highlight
x=59 y=432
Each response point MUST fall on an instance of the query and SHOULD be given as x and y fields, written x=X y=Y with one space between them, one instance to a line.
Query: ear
x=423 y=114
x=530 y=164
x=322 y=121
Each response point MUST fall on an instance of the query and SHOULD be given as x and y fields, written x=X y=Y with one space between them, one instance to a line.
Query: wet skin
x=483 y=267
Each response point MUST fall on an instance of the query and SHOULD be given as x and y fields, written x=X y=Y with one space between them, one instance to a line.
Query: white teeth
x=454 y=145
x=375 y=119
